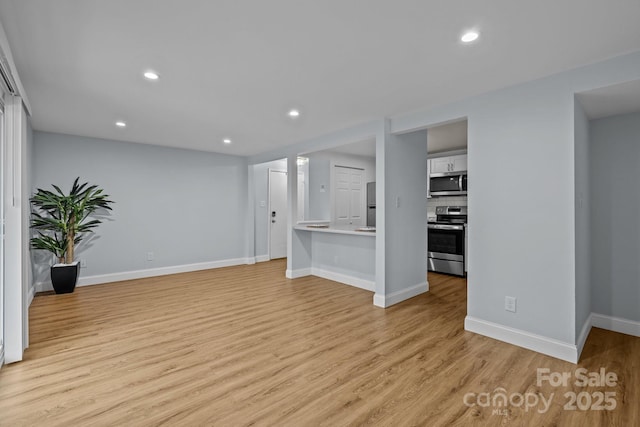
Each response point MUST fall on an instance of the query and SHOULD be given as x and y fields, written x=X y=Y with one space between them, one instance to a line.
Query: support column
x=401 y=171
x=298 y=242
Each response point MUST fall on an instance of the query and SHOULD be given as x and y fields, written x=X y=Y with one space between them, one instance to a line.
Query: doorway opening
x=607 y=208
x=447 y=197
x=447 y=206
x=277 y=213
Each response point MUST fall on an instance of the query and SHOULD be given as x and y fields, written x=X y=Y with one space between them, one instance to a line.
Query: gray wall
x=615 y=216
x=261 y=220
x=406 y=224
x=582 y=225
x=319 y=175
x=185 y=206
x=525 y=251
x=350 y=255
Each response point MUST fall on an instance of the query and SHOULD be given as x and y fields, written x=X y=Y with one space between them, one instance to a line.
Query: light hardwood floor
x=245 y=346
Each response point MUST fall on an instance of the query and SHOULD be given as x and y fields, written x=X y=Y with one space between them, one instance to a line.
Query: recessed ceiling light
x=226 y=141
x=151 y=75
x=294 y=113
x=469 y=37
x=121 y=124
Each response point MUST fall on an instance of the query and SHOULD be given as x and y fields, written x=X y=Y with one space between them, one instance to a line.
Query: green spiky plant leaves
x=63 y=220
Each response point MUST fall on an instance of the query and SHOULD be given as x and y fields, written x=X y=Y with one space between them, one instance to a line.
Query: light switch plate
x=510 y=304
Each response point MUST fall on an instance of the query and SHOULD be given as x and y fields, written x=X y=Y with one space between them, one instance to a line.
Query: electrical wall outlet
x=149 y=256
x=83 y=263
x=510 y=304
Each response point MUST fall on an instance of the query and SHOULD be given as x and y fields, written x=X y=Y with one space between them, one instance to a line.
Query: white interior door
x=349 y=196
x=277 y=214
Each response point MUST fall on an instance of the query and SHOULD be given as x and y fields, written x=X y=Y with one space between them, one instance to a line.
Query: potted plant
x=62 y=221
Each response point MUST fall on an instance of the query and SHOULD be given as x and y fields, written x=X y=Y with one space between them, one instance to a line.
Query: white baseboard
x=294 y=274
x=584 y=333
x=368 y=285
x=262 y=258
x=385 y=301
x=32 y=293
x=616 y=324
x=151 y=272
x=1 y=355
x=549 y=346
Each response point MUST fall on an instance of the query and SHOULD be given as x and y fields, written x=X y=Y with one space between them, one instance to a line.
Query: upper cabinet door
x=441 y=165
x=458 y=163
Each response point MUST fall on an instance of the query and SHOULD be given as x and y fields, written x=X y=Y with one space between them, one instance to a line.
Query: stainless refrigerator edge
x=371 y=204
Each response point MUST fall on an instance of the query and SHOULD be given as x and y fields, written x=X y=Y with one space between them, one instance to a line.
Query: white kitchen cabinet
x=459 y=163
x=440 y=165
x=449 y=164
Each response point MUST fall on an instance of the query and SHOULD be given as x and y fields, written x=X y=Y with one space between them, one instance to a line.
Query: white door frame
x=301 y=197
x=269 y=207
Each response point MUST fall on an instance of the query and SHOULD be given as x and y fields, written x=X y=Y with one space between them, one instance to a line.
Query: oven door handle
x=445 y=227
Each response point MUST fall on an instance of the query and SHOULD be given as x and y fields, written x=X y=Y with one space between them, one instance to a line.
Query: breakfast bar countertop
x=322 y=227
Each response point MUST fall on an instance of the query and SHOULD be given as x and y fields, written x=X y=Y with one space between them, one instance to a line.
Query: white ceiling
x=611 y=100
x=233 y=68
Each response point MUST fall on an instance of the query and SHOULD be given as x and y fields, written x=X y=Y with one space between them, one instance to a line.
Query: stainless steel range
x=445 y=239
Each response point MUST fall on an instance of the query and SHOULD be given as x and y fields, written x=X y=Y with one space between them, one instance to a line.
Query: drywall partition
x=175 y=210
x=405 y=224
x=615 y=219
x=261 y=206
x=345 y=258
x=582 y=225
x=299 y=249
x=521 y=156
x=318 y=187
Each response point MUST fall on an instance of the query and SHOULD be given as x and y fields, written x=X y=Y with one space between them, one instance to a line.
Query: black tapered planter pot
x=64 y=277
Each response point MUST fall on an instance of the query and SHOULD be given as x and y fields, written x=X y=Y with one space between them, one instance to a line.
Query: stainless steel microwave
x=448 y=184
